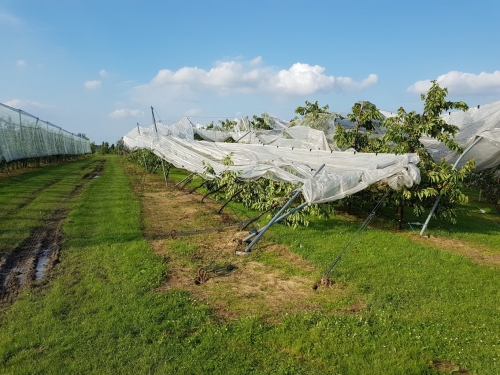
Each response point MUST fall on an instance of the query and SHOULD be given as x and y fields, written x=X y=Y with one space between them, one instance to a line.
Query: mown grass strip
x=29 y=198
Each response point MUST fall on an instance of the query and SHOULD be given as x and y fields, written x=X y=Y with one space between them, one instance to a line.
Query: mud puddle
x=96 y=172
x=33 y=259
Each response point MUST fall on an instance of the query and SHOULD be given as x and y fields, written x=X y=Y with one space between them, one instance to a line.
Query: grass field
x=121 y=297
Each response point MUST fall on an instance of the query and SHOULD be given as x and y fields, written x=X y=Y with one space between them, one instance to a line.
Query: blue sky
x=97 y=67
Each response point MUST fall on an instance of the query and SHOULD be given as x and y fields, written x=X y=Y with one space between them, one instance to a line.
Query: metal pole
x=156 y=130
x=192 y=175
x=184 y=179
x=299 y=207
x=243 y=136
x=259 y=234
x=143 y=156
x=424 y=227
x=278 y=215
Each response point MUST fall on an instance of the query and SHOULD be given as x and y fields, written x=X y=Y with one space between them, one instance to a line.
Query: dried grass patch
x=190 y=234
x=475 y=252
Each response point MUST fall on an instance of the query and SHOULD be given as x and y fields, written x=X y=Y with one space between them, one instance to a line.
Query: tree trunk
x=347 y=207
x=399 y=216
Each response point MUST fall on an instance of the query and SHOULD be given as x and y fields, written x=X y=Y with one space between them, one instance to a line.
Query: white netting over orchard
x=344 y=173
x=478 y=134
x=289 y=150
x=25 y=136
x=479 y=129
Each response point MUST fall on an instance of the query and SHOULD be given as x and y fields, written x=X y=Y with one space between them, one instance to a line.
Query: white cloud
x=459 y=83
x=193 y=112
x=103 y=73
x=21 y=63
x=304 y=79
x=91 y=85
x=24 y=104
x=250 y=78
x=8 y=19
x=125 y=113
x=256 y=61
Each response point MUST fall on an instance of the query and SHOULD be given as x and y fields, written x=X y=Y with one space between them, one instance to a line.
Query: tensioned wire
x=358 y=232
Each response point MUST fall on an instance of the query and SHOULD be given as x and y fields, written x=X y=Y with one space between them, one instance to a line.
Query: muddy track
x=28 y=264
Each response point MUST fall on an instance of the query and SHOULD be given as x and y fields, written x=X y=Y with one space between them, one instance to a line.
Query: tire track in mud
x=28 y=264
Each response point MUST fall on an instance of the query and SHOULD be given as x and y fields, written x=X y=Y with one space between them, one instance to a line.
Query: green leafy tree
x=314 y=117
x=364 y=115
x=312 y=109
x=145 y=158
x=259 y=123
x=105 y=148
x=120 y=147
x=404 y=134
x=227 y=124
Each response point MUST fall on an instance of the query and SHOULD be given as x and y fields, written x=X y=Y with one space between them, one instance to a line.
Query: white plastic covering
x=25 y=136
x=317 y=132
x=344 y=173
x=281 y=134
x=478 y=122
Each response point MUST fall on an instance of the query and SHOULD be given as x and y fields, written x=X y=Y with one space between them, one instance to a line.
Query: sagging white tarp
x=280 y=135
x=479 y=127
x=478 y=134
x=345 y=173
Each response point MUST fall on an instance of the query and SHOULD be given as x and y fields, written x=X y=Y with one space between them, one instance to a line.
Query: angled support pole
x=156 y=130
x=282 y=217
x=143 y=156
x=191 y=176
x=184 y=179
x=424 y=227
x=243 y=136
x=279 y=216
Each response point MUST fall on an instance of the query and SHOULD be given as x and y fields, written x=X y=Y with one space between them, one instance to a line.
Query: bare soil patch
x=193 y=238
x=448 y=367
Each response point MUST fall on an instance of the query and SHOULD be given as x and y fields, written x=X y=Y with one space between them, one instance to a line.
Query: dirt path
x=191 y=235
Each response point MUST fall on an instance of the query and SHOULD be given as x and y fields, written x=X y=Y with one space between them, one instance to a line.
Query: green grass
x=421 y=302
x=100 y=313
x=478 y=222
x=27 y=199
